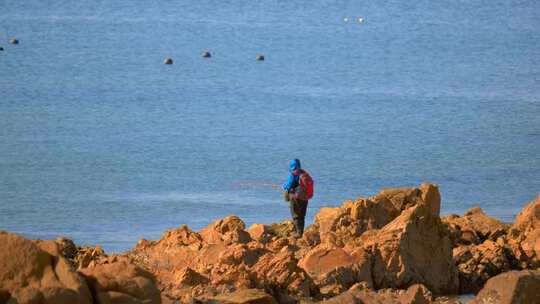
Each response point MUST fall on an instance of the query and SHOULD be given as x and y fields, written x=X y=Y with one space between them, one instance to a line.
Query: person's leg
x=302 y=208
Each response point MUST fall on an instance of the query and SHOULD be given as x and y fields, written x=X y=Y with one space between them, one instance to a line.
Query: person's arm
x=289 y=184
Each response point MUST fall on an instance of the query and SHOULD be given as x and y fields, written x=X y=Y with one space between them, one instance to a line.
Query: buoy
x=13 y=41
x=206 y=54
x=168 y=61
x=345 y=19
x=260 y=57
x=360 y=20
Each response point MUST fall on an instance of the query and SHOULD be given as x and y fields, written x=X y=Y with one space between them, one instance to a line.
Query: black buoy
x=168 y=61
x=1 y=48
x=14 y=40
x=260 y=57
x=206 y=54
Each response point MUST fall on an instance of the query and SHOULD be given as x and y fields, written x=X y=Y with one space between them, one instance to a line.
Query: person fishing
x=298 y=190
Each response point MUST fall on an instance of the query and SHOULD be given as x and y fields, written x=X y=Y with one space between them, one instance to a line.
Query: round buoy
x=13 y=41
x=260 y=57
x=206 y=54
x=168 y=61
x=360 y=20
x=345 y=19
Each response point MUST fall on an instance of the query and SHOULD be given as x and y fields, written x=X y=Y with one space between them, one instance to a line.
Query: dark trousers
x=298 y=213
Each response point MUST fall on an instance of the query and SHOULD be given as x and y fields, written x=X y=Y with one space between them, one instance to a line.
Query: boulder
x=524 y=236
x=474 y=227
x=206 y=54
x=259 y=57
x=35 y=272
x=168 y=61
x=510 y=288
x=121 y=282
x=14 y=40
x=334 y=270
x=358 y=294
x=245 y=296
x=281 y=272
x=414 y=248
x=477 y=263
x=227 y=230
x=352 y=218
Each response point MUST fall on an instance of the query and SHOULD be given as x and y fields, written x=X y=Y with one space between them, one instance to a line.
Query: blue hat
x=294 y=165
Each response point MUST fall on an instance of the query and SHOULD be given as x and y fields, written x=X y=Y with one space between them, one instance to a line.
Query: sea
x=102 y=143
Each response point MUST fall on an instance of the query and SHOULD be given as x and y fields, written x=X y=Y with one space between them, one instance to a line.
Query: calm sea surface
x=101 y=142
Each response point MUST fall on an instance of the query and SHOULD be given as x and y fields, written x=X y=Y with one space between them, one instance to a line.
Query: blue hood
x=295 y=164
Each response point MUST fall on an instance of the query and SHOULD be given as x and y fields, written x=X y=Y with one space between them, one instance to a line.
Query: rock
x=260 y=233
x=246 y=296
x=334 y=270
x=259 y=57
x=524 y=236
x=281 y=272
x=206 y=54
x=413 y=248
x=477 y=263
x=121 y=282
x=416 y=294
x=1 y=48
x=35 y=272
x=227 y=230
x=474 y=227
x=341 y=224
x=511 y=287
x=14 y=40
x=168 y=61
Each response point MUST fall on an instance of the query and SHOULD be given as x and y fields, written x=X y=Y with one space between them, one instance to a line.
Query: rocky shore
x=389 y=248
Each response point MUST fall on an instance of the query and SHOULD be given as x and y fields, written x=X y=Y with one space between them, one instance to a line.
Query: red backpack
x=306 y=185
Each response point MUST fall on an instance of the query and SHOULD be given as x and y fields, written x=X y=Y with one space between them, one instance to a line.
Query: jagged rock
x=341 y=224
x=260 y=233
x=524 y=236
x=510 y=288
x=477 y=263
x=14 y=40
x=413 y=248
x=227 y=230
x=334 y=270
x=474 y=227
x=259 y=57
x=35 y=272
x=358 y=294
x=206 y=54
x=245 y=296
x=168 y=61
x=121 y=282
x=281 y=272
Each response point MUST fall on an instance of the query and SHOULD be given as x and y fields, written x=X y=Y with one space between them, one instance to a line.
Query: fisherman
x=297 y=191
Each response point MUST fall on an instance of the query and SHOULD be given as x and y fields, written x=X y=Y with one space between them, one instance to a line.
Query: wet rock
x=168 y=61
x=245 y=296
x=121 y=282
x=413 y=248
x=14 y=40
x=259 y=57
x=1 y=48
x=35 y=272
x=206 y=54
x=511 y=287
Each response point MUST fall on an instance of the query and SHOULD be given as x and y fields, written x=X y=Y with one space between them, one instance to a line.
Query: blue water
x=101 y=142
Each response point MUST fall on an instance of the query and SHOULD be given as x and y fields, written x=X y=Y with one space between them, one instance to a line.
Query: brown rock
x=122 y=282
x=245 y=296
x=227 y=230
x=30 y=274
x=413 y=248
x=511 y=287
x=524 y=236
x=474 y=227
x=477 y=263
x=281 y=272
x=334 y=270
x=416 y=294
x=259 y=232
x=341 y=224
